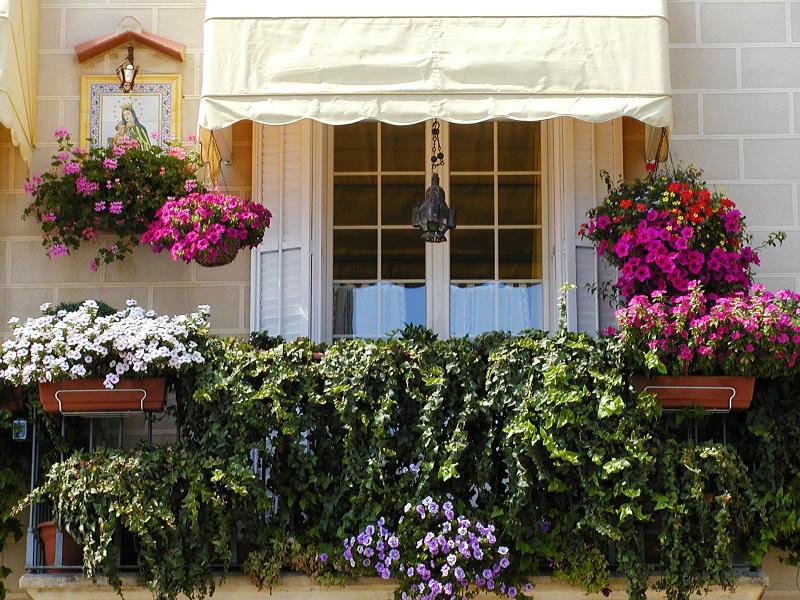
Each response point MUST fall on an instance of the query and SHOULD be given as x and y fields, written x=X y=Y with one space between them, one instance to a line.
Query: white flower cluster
x=81 y=344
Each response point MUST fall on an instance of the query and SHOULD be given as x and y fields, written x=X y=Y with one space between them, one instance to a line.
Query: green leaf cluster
x=540 y=434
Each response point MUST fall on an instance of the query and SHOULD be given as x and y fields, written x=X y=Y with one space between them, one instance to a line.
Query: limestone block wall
x=735 y=68
x=27 y=276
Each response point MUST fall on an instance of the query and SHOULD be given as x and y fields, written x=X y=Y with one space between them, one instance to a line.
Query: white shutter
x=596 y=147
x=282 y=263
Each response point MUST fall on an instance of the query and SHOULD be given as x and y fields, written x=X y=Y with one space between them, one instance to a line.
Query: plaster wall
x=735 y=68
x=28 y=277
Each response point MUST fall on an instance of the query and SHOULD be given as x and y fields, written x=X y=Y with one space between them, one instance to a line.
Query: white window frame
x=437 y=256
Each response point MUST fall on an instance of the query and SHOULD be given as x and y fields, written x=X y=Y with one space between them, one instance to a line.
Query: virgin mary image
x=133 y=128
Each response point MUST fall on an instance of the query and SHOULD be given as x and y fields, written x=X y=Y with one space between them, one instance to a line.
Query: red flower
x=626 y=203
x=674 y=187
x=726 y=203
x=641 y=207
x=650 y=166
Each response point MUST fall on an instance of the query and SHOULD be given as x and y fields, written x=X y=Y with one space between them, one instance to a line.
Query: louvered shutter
x=282 y=263
x=596 y=147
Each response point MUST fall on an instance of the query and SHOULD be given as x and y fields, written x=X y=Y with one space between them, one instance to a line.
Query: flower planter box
x=71 y=553
x=712 y=392
x=89 y=396
x=11 y=399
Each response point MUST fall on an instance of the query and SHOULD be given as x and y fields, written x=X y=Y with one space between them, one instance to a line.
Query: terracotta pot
x=317 y=356
x=71 y=553
x=712 y=392
x=89 y=396
x=11 y=399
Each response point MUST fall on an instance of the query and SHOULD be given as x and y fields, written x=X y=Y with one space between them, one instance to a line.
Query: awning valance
x=276 y=63
x=19 y=31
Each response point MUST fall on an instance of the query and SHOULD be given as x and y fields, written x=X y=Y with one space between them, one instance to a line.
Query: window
x=496 y=251
x=378 y=258
x=488 y=276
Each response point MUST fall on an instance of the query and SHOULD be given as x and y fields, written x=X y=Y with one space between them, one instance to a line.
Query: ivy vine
x=542 y=435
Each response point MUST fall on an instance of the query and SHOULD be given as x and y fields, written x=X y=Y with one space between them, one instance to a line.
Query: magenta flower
x=115 y=207
x=110 y=163
x=85 y=187
x=57 y=250
x=222 y=224
x=72 y=168
x=60 y=133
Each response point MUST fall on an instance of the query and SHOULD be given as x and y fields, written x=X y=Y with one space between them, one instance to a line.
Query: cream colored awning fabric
x=275 y=63
x=19 y=32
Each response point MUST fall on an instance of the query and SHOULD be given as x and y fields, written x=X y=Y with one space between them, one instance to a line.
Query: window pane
x=355 y=254
x=403 y=147
x=519 y=306
x=472 y=147
x=401 y=304
x=473 y=198
x=355 y=309
x=402 y=254
x=471 y=309
x=355 y=147
x=518 y=146
x=471 y=254
x=355 y=200
x=475 y=309
x=518 y=200
x=399 y=195
x=520 y=254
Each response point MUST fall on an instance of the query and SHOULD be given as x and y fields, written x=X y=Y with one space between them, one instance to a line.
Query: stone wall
x=27 y=277
x=735 y=70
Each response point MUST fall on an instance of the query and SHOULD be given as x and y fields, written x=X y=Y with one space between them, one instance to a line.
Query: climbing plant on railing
x=540 y=435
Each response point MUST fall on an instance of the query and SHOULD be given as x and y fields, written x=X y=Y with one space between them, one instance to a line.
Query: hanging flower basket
x=712 y=392
x=208 y=228
x=217 y=257
x=90 y=396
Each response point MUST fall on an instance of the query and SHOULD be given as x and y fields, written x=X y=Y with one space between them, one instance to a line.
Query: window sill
x=750 y=586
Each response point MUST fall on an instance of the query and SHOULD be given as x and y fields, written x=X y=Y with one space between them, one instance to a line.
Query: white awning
x=276 y=63
x=19 y=31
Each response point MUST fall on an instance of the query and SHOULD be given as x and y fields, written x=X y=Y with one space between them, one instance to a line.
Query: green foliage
x=540 y=435
x=103 y=309
x=280 y=552
x=180 y=507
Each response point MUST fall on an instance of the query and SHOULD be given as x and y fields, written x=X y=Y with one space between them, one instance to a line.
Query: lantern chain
x=437 y=156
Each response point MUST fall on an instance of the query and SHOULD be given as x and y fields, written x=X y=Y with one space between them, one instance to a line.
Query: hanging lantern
x=126 y=72
x=433 y=217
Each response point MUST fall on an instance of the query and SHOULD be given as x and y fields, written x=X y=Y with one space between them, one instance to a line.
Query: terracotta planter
x=712 y=392
x=71 y=553
x=11 y=399
x=88 y=396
